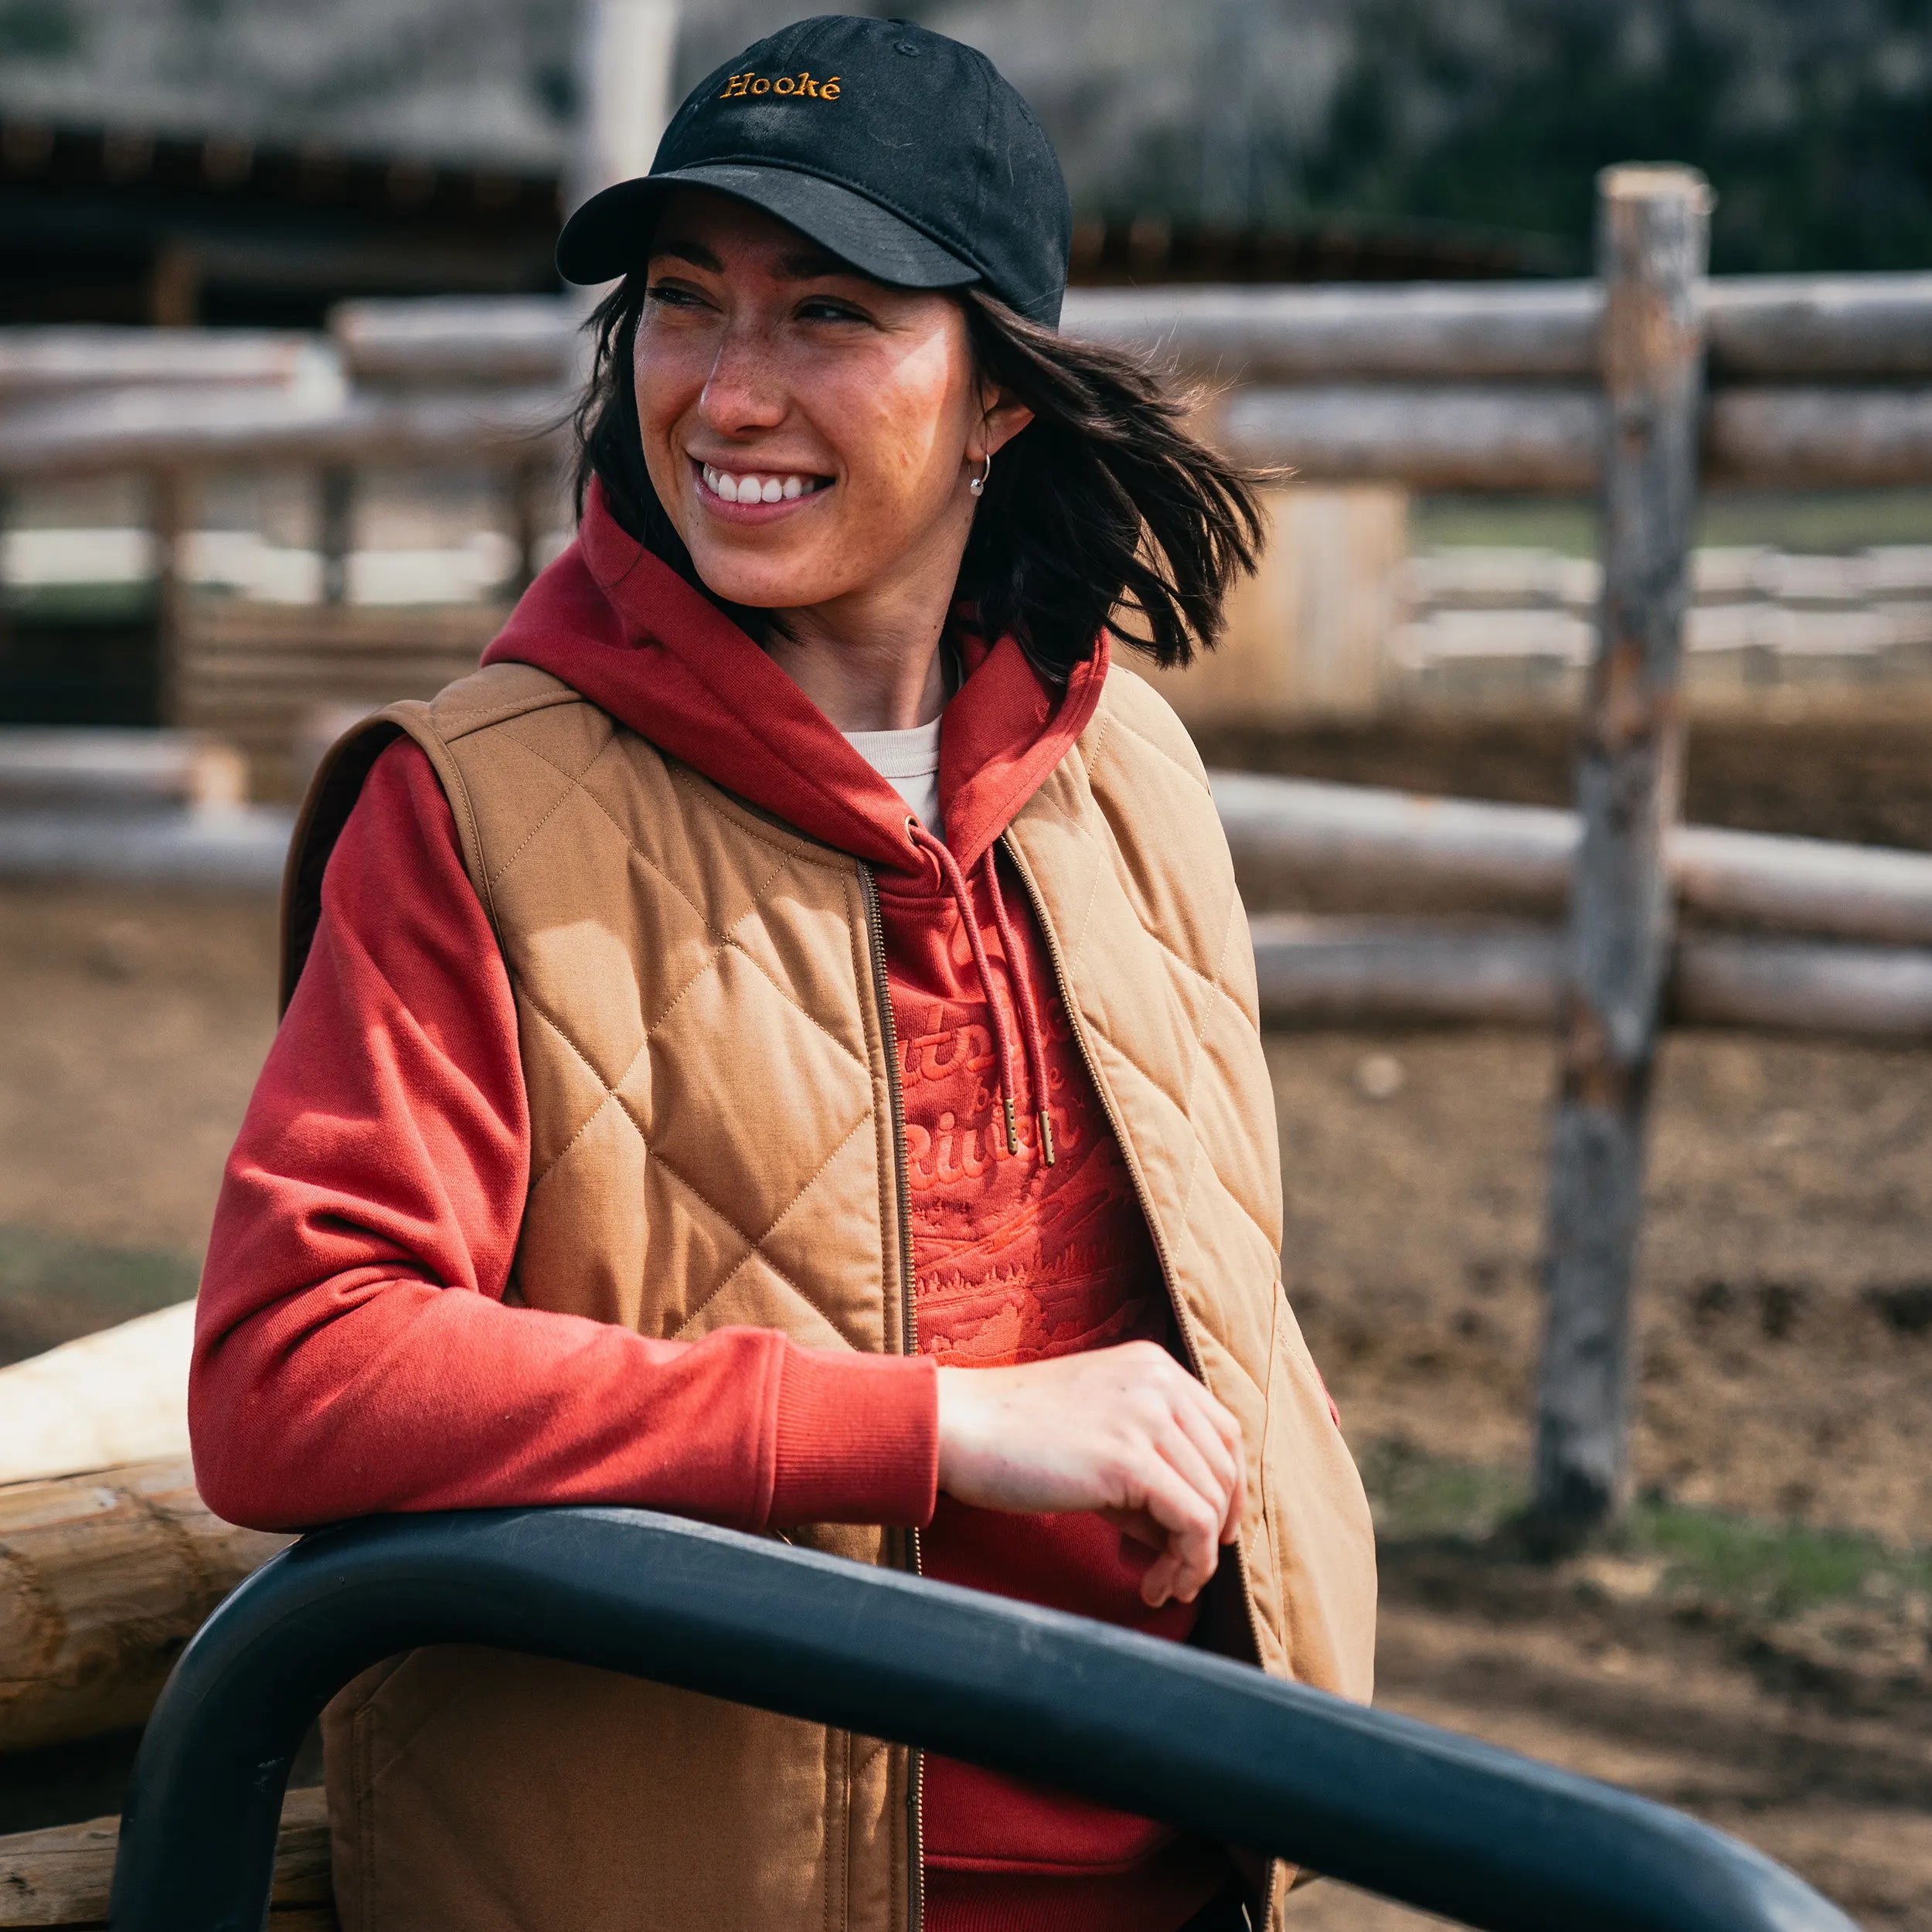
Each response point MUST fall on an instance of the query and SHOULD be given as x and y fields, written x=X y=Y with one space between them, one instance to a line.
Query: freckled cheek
x=897 y=440
x=667 y=399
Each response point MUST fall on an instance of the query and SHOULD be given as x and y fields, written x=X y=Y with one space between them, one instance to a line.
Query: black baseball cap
x=901 y=151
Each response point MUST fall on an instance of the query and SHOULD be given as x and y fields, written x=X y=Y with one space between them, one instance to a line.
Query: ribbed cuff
x=858 y=1439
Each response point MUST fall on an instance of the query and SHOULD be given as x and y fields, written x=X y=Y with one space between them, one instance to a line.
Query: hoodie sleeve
x=353 y=1352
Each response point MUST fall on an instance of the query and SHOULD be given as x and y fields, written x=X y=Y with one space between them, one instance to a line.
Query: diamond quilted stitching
x=779 y=1051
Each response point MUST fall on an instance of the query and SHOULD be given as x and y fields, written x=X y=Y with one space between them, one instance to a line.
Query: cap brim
x=611 y=234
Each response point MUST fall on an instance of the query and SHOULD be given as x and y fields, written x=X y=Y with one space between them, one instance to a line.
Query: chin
x=761 y=583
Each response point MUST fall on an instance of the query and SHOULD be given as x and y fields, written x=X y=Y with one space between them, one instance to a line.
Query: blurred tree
x=1814 y=121
x=1812 y=118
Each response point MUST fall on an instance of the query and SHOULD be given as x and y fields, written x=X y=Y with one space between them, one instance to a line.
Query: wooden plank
x=1396 y=840
x=1460 y=436
x=1803 y=327
x=103 y=1578
x=172 y=429
x=63 y=1876
x=52 y=764
x=1760 y=327
x=1328 y=970
x=459 y=339
x=1786 y=328
x=1487 y=436
x=1464 y=437
x=1653 y=238
x=72 y=358
x=1422 y=331
x=1820 y=438
x=1795 y=986
x=235 y=851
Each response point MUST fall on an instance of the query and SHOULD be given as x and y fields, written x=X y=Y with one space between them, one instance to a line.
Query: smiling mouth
x=747 y=487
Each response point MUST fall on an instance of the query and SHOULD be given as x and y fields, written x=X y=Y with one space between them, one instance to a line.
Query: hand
x=1125 y=1431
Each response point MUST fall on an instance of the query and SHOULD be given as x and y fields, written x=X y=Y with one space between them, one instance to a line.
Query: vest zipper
x=909 y=1334
x=1133 y=1165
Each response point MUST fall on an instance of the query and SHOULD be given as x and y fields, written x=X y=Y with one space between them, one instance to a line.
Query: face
x=811 y=433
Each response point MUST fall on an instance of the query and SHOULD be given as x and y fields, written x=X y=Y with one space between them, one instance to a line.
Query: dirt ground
x=1786 y=1312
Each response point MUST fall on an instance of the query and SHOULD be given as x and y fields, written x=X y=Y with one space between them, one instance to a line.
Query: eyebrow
x=810 y=264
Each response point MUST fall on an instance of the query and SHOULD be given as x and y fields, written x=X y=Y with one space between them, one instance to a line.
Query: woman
x=778 y=1044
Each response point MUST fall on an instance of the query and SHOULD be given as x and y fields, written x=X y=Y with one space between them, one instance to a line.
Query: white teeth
x=758 y=489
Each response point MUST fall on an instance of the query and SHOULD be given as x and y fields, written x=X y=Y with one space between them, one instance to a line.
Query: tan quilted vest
x=705 y=1037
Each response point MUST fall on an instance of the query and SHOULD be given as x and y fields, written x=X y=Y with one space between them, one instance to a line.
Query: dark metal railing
x=1421 y=1815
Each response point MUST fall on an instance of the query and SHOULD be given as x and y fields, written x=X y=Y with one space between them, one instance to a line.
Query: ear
x=1001 y=417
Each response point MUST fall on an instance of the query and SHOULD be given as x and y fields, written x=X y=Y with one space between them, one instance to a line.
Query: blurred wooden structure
x=108 y=1574
x=262 y=676
x=1308 y=635
x=60 y=1878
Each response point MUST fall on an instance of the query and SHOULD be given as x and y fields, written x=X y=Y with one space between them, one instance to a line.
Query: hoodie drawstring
x=1029 y=1009
x=1022 y=988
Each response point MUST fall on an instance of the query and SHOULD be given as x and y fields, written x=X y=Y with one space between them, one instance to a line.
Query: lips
x=749 y=487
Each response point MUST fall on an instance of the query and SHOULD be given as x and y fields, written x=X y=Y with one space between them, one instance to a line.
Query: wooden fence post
x=531 y=489
x=1653 y=230
x=336 y=529
x=174 y=499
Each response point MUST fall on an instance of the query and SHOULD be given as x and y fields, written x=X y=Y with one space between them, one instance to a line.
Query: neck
x=869 y=663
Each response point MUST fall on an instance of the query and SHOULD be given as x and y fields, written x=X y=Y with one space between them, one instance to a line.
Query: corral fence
x=1638 y=385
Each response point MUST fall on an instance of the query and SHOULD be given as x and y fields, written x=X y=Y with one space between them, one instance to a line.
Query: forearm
x=368 y=1394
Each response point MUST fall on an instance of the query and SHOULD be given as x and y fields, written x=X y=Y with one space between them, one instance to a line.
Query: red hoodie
x=354 y=1352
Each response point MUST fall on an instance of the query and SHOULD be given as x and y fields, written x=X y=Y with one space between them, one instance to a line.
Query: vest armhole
x=332 y=794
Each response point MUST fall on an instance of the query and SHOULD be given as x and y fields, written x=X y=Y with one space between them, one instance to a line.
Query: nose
x=744 y=390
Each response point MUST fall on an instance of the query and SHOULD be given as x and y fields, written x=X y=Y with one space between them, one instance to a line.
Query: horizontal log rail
x=1328 y=970
x=1806 y=328
x=117 y=766
x=220 y=849
x=1419 y=1814
x=175 y=429
x=69 y=360
x=1448 y=436
x=1856 y=328
x=1396 y=840
x=1797 y=886
x=1524 y=438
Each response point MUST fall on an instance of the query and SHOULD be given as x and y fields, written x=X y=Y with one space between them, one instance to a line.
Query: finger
x=1192 y=1523
x=1215 y=1416
x=1220 y=1415
x=1225 y=1463
x=1157 y=1582
x=1192 y=1463
x=1139 y=1528
x=1157 y=1579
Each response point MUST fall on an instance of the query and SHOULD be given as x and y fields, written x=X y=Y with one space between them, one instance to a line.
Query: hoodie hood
x=617 y=624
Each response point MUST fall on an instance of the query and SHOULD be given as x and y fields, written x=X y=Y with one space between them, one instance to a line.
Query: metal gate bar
x=1419 y=1814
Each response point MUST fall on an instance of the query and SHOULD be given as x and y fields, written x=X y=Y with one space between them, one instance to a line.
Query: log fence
x=1558 y=386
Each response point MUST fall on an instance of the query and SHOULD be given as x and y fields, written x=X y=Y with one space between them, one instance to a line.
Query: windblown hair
x=1106 y=509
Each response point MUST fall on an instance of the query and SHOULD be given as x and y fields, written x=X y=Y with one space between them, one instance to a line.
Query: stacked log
x=61 y=1877
x=103 y=1577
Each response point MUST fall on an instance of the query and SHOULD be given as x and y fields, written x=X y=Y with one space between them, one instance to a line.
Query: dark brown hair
x=1106 y=508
